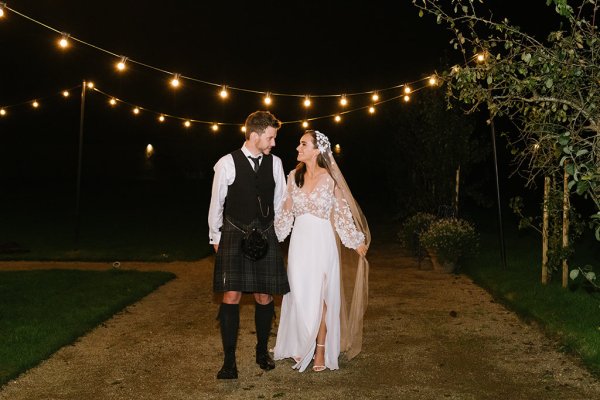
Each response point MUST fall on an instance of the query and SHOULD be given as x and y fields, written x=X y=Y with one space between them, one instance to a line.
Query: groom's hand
x=216 y=247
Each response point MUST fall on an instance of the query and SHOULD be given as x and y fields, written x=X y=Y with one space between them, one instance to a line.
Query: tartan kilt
x=234 y=272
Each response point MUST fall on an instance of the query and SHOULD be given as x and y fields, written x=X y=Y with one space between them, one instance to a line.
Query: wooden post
x=565 y=226
x=457 y=186
x=545 y=231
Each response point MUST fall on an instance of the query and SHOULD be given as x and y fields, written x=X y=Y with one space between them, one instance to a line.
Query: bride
x=317 y=319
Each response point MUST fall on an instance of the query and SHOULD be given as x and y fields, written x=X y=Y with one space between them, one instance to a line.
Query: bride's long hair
x=322 y=161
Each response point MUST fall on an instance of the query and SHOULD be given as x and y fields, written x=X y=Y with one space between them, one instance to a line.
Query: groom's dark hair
x=258 y=121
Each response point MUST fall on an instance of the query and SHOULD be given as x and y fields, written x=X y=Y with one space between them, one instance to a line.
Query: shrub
x=412 y=229
x=450 y=239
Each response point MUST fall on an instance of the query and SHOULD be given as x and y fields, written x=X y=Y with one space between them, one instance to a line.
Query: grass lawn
x=43 y=310
x=150 y=221
x=572 y=316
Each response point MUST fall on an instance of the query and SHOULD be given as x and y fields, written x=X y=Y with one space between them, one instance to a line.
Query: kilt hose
x=234 y=272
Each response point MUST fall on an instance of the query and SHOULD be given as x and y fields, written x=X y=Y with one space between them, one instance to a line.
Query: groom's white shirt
x=224 y=176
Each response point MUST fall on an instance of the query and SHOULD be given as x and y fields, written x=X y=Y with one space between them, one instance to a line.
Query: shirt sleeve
x=224 y=176
x=284 y=214
x=280 y=185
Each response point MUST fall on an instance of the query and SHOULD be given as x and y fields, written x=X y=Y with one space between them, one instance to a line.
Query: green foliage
x=412 y=229
x=549 y=89
x=43 y=310
x=451 y=239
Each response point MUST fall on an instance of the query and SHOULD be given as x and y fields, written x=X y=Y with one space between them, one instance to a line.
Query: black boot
x=229 y=316
x=263 y=318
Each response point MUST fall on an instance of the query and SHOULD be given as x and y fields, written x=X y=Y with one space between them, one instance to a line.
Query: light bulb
x=243 y=128
x=161 y=118
x=481 y=57
x=65 y=93
x=305 y=124
x=2 y=112
x=113 y=102
x=90 y=85
x=149 y=151
x=187 y=124
x=35 y=104
x=407 y=89
x=372 y=110
x=268 y=99
x=343 y=101
x=307 y=102
x=1 y=11
x=406 y=98
x=433 y=81
x=337 y=149
x=175 y=81
x=375 y=97
x=338 y=118
x=215 y=127
x=121 y=64
x=64 y=41
x=136 y=110
x=223 y=92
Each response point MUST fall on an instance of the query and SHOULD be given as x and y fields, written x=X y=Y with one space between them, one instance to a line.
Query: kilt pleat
x=234 y=272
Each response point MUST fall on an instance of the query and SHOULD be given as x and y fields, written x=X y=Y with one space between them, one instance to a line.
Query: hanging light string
x=162 y=116
x=36 y=101
x=66 y=37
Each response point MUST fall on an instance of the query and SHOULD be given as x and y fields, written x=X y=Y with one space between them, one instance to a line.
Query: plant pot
x=440 y=266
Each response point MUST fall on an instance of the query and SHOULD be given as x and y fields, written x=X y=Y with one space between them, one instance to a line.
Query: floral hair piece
x=322 y=142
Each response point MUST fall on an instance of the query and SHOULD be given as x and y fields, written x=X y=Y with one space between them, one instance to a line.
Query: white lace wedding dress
x=313 y=269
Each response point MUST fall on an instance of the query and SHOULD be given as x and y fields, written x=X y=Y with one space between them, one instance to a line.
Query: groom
x=248 y=184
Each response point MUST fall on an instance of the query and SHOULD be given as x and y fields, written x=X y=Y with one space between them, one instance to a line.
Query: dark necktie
x=256 y=161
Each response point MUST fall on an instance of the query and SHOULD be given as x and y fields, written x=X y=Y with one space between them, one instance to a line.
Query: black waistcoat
x=250 y=196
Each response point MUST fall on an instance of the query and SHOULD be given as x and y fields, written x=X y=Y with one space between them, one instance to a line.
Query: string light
x=223 y=92
x=305 y=124
x=344 y=101
x=307 y=102
x=371 y=110
x=161 y=118
x=406 y=98
x=243 y=128
x=175 y=81
x=433 y=80
x=136 y=110
x=187 y=124
x=65 y=93
x=407 y=90
x=35 y=104
x=267 y=100
x=481 y=57
x=2 y=112
x=337 y=118
x=215 y=127
x=149 y=151
x=90 y=85
x=337 y=149
x=64 y=41
x=121 y=64
x=113 y=102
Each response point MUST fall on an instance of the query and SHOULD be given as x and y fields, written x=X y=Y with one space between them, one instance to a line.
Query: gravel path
x=427 y=336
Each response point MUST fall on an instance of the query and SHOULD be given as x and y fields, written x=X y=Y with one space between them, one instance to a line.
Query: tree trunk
x=545 y=231
x=565 y=226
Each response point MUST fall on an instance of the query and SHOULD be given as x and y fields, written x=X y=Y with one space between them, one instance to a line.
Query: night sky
x=291 y=47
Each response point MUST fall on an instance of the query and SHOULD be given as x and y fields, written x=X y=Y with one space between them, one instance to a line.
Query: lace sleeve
x=344 y=223
x=284 y=216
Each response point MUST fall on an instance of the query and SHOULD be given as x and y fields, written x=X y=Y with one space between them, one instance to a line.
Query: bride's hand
x=362 y=250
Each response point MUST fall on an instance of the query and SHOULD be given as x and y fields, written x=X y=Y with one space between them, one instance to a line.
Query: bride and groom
x=326 y=283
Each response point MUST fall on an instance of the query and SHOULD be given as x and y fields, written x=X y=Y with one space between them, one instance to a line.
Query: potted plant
x=412 y=228
x=448 y=240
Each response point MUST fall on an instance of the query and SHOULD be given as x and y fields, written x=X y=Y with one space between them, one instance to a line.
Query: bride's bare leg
x=320 y=348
